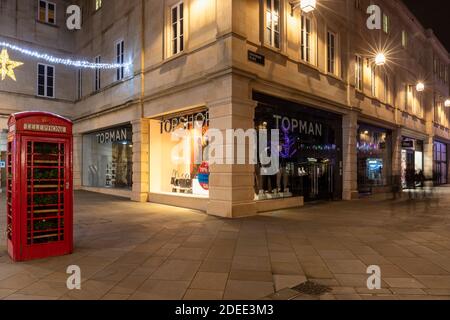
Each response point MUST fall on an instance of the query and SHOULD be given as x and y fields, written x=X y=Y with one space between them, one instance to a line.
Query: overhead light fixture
x=447 y=103
x=308 y=5
x=380 y=59
x=420 y=87
x=305 y=5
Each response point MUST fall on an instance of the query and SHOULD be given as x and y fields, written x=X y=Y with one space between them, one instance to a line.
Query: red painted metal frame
x=20 y=164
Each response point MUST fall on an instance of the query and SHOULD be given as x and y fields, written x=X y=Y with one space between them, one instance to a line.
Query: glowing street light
x=420 y=87
x=308 y=5
x=380 y=59
x=447 y=103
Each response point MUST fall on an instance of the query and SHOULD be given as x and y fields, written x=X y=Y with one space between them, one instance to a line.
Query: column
x=397 y=153
x=350 y=156
x=77 y=161
x=428 y=157
x=141 y=146
x=231 y=185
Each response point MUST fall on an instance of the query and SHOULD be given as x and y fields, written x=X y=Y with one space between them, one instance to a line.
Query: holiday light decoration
x=7 y=65
x=65 y=61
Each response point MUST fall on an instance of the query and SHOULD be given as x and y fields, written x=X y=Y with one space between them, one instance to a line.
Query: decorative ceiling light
x=308 y=5
x=380 y=59
x=447 y=103
x=7 y=66
x=65 y=61
x=420 y=87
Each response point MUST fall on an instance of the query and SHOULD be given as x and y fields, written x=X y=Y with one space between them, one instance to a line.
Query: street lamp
x=306 y=5
x=420 y=87
x=447 y=103
x=380 y=59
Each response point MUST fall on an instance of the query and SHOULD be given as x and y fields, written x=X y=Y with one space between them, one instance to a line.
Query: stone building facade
x=238 y=64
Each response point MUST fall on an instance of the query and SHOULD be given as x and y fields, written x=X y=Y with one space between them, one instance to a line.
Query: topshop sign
x=199 y=120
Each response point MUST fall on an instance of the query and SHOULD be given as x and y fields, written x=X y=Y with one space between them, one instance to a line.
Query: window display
x=180 y=172
x=310 y=153
x=107 y=158
x=374 y=157
x=440 y=163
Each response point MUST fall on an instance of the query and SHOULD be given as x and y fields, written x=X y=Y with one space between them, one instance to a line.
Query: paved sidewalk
x=131 y=250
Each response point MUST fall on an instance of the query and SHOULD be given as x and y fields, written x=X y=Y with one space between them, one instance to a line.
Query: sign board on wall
x=117 y=134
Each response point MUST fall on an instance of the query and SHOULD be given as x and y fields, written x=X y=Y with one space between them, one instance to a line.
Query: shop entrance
x=412 y=163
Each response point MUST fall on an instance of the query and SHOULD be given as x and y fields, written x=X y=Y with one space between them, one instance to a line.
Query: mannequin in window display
x=283 y=180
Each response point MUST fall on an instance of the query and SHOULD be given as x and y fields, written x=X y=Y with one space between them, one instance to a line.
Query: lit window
x=177 y=14
x=306 y=39
x=373 y=78
x=47 y=12
x=46 y=81
x=387 y=99
x=331 y=52
x=404 y=39
x=386 y=23
x=98 y=4
x=272 y=34
x=359 y=73
x=120 y=58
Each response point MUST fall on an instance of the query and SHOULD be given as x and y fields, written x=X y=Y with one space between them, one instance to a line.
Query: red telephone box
x=39 y=186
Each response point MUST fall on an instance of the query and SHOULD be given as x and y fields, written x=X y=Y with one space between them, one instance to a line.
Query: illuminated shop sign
x=113 y=135
x=297 y=125
x=44 y=128
x=186 y=122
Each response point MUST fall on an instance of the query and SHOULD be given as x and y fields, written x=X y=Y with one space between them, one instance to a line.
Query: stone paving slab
x=132 y=250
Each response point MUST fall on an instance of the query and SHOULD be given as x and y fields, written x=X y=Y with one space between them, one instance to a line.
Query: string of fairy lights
x=63 y=61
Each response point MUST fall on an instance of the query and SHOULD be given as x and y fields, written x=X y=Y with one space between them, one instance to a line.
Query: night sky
x=434 y=14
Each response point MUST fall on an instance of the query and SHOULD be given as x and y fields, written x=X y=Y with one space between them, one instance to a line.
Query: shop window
x=309 y=152
x=440 y=166
x=179 y=154
x=374 y=157
x=272 y=19
x=47 y=12
x=108 y=158
x=46 y=81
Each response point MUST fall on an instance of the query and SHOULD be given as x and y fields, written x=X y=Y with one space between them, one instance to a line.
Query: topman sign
x=298 y=126
x=113 y=135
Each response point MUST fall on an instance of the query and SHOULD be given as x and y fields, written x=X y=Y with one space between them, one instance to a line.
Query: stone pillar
x=397 y=153
x=231 y=185
x=448 y=163
x=428 y=157
x=350 y=156
x=77 y=161
x=141 y=172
